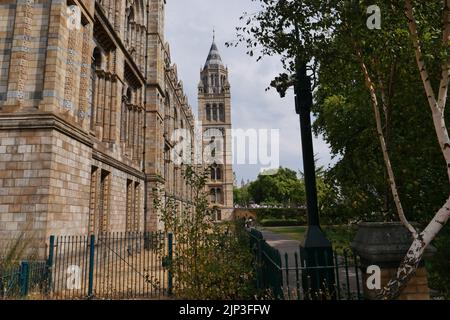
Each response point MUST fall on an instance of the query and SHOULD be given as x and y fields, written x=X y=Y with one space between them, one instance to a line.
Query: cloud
x=189 y=25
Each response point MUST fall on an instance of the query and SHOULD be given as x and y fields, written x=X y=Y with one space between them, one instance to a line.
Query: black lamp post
x=316 y=250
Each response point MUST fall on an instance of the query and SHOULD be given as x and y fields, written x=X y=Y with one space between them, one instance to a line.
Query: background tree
x=241 y=196
x=282 y=188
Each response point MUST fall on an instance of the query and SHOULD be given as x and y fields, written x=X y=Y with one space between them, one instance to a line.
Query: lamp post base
x=318 y=277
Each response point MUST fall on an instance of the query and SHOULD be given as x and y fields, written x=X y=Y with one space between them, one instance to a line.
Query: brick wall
x=68 y=209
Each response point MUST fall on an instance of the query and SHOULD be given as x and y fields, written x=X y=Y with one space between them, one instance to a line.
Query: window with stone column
x=133 y=206
x=216 y=172
x=104 y=95
x=135 y=31
x=104 y=204
x=216 y=196
x=132 y=123
x=99 y=205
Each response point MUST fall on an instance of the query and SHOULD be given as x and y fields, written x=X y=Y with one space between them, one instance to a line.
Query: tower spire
x=214 y=59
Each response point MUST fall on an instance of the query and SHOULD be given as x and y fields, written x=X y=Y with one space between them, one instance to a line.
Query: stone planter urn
x=384 y=244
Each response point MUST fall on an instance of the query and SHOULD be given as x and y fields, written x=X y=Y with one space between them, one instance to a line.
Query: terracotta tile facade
x=89 y=99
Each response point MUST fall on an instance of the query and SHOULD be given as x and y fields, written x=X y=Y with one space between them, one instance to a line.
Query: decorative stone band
x=50 y=121
x=43 y=120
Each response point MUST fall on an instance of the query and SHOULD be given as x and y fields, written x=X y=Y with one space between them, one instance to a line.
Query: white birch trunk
x=420 y=243
x=387 y=161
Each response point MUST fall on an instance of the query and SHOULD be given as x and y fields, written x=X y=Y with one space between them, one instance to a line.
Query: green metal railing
x=288 y=277
x=24 y=278
x=109 y=266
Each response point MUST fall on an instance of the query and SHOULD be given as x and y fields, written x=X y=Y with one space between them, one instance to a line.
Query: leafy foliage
x=284 y=187
x=439 y=265
x=211 y=260
x=241 y=196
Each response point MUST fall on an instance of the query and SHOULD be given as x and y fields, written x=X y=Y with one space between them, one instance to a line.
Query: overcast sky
x=189 y=25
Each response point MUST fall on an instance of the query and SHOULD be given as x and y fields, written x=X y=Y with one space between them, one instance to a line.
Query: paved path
x=284 y=245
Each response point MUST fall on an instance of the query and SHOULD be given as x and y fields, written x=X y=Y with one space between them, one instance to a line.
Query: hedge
x=280 y=223
x=292 y=214
x=281 y=214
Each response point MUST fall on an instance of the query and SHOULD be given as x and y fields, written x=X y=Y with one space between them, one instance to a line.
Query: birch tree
x=437 y=106
x=272 y=28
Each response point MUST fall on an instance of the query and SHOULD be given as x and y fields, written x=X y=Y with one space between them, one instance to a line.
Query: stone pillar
x=385 y=244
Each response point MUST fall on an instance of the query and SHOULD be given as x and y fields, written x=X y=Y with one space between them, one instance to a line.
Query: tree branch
x=436 y=109
x=387 y=161
x=445 y=66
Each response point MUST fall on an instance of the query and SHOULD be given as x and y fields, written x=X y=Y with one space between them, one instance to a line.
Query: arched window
x=216 y=172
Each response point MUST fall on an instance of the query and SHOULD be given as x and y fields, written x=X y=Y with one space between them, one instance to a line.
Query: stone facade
x=214 y=113
x=89 y=99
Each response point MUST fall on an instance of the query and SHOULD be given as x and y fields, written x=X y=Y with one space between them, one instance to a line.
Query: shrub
x=211 y=260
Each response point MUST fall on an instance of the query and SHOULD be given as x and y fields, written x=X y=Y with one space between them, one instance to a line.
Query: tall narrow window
x=129 y=206
x=214 y=112
x=221 y=113
x=124 y=119
x=212 y=194
x=208 y=112
x=95 y=65
x=217 y=215
x=133 y=214
x=216 y=172
x=103 y=197
x=93 y=200
x=219 y=195
x=137 y=206
x=216 y=196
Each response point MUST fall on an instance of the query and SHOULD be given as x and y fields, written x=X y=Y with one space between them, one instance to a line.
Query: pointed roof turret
x=214 y=60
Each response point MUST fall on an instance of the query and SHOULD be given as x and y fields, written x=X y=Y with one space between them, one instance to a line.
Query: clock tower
x=214 y=113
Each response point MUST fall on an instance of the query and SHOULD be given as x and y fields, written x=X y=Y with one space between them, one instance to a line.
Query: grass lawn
x=340 y=236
